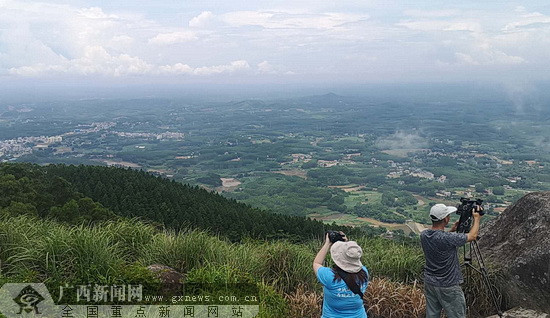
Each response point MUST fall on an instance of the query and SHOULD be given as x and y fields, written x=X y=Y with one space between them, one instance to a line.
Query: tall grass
x=397 y=261
x=118 y=251
x=185 y=250
x=56 y=252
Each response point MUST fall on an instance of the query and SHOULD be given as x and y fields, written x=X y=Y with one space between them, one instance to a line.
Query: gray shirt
x=441 y=250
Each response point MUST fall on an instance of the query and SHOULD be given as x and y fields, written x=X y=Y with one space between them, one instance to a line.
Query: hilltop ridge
x=106 y=192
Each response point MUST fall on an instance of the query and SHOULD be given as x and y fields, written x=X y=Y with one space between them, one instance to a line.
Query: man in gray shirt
x=442 y=275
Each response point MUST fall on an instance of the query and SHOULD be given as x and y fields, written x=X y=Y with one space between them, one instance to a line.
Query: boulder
x=171 y=280
x=517 y=245
x=522 y=313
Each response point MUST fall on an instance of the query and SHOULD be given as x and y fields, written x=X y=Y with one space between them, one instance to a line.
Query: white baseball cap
x=440 y=211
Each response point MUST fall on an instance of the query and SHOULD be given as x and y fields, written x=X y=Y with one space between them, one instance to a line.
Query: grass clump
x=185 y=250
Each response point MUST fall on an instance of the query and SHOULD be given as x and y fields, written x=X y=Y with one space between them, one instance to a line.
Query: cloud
x=519 y=93
x=173 y=38
x=266 y=68
x=432 y=13
x=475 y=43
x=50 y=34
x=202 y=20
x=463 y=58
x=97 y=61
x=232 y=67
x=440 y=25
x=344 y=40
x=180 y=68
x=289 y=20
x=402 y=140
x=489 y=57
x=528 y=20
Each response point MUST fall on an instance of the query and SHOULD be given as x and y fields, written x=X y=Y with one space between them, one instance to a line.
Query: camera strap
x=352 y=284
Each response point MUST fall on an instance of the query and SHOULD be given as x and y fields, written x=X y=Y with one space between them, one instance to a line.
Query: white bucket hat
x=347 y=255
x=440 y=211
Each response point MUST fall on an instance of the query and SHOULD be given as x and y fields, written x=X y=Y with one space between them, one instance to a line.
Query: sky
x=270 y=42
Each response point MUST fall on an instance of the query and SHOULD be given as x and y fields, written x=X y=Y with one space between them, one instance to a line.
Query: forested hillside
x=92 y=193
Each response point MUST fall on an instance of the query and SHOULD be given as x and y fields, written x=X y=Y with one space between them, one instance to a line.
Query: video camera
x=464 y=209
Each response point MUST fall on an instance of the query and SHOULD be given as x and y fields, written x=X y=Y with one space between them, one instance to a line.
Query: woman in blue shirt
x=339 y=301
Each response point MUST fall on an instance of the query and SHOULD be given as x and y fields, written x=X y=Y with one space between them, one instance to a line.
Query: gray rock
x=171 y=280
x=522 y=313
x=517 y=244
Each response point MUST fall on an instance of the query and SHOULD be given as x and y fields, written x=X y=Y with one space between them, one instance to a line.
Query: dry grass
x=304 y=303
x=387 y=299
x=384 y=299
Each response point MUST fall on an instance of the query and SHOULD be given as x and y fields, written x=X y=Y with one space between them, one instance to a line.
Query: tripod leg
x=485 y=276
x=467 y=253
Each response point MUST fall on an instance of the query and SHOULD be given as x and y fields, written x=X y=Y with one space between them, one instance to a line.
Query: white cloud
x=232 y=67
x=202 y=20
x=432 y=13
x=180 y=68
x=96 y=61
x=96 y=13
x=50 y=34
x=528 y=20
x=123 y=40
x=441 y=25
x=173 y=38
x=487 y=55
x=464 y=58
x=351 y=40
x=265 y=68
x=289 y=20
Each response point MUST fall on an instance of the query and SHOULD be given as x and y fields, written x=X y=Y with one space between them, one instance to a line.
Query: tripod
x=474 y=248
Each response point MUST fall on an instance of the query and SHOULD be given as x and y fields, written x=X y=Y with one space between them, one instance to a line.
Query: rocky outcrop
x=522 y=313
x=171 y=280
x=517 y=245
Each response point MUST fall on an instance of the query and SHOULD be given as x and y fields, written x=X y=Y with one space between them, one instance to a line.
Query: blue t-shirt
x=338 y=300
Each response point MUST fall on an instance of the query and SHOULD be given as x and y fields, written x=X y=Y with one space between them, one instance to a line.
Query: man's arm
x=472 y=236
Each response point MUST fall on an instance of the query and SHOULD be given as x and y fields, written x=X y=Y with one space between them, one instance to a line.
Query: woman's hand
x=327 y=240
x=329 y=243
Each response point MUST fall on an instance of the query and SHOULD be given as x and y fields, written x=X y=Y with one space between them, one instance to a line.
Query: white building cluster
x=13 y=148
